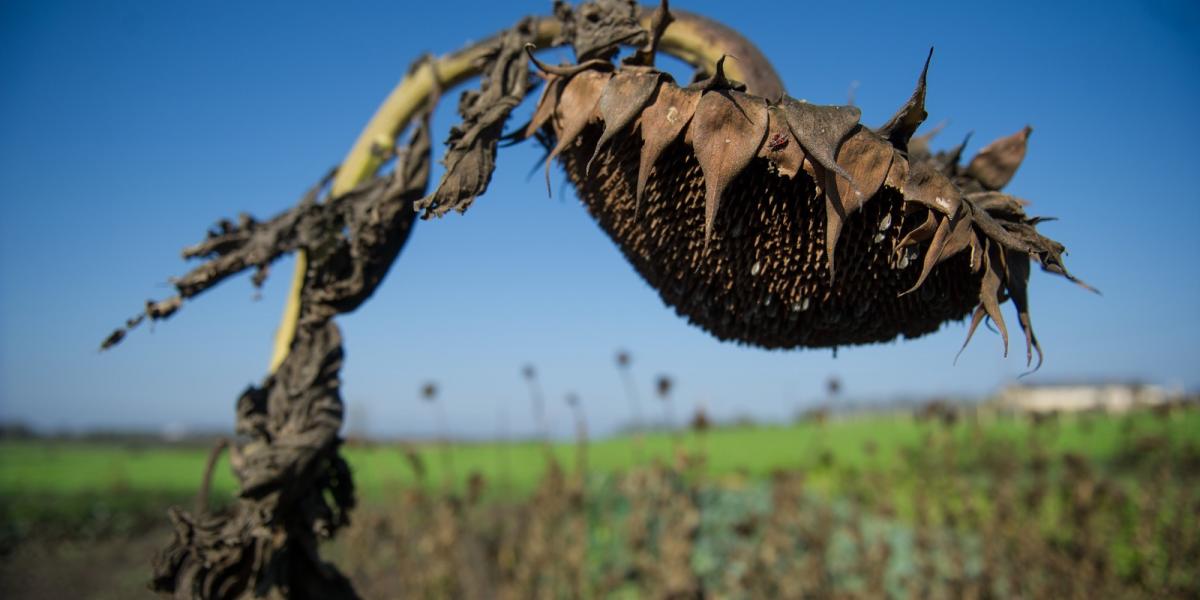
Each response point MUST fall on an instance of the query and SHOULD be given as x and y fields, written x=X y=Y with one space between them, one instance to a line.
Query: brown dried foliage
x=977 y=518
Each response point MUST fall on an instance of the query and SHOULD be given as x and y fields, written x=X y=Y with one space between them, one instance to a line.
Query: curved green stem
x=691 y=38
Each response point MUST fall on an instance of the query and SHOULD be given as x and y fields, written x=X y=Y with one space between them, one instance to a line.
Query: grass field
x=863 y=506
x=108 y=486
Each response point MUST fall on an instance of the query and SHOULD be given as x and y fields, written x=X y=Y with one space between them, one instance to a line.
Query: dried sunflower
x=779 y=223
x=761 y=218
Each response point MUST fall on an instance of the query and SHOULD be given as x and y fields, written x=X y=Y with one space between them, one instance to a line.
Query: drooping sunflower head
x=765 y=219
x=780 y=223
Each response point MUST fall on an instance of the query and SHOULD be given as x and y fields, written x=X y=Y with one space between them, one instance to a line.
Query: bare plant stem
x=449 y=477
x=635 y=405
x=206 y=484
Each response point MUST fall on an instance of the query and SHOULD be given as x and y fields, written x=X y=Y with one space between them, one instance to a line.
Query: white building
x=1078 y=397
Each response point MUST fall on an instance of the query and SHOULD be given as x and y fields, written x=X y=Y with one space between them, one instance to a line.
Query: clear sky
x=126 y=128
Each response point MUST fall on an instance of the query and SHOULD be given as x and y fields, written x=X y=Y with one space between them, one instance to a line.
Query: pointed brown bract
x=990 y=293
x=928 y=187
x=726 y=132
x=996 y=164
x=718 y=80
x=901 y=127
x=622 y=101
x=1017 y=281
x=820 y=130
x=992 y=228
x=951 y=236
x=835 y=216
x=662 y=122
x=920 y=233
x=576 y=108
x=1000 y=204
x=867 y=159
x=897 y=174
x=659 y=21
x=932 y=253
x=960 y=238
x=546 y=105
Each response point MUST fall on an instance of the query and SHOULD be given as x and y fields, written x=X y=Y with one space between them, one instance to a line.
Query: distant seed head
x=663 y=386
x=429 y=391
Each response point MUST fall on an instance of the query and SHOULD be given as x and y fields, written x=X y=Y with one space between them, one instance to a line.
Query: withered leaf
x=995 y=231
x=990 y=288
x=662 y=122
x=953 y=235
x=932 y=253
x=999 y=204
x=901 y=127
x=597 y=28
x=821 y=129
x=976 y=319
x=659 y=21
x=726 y=132
x=897 y=173
x=961 y=237
x=471 y=148
x=921 y=232
x=835 y=216
x=546 y=104
x=1017 y=281
x=928 y=187
x=947 y=160
x=996 y=164
x=575 y=109
x=867 y=159
x=623 y=98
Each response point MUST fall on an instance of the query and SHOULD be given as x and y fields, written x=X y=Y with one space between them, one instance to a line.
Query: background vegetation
x=940 y=501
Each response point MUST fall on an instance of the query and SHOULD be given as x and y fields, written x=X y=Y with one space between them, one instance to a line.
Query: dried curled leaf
x=661 y=124
x=901 y=127
x=867 y=160
x=996 y=164
x=726 y=132
x=574 y=109
x=820 y=130
x=622 y=101
x=596 y=29
x=928 y=187
x=471 y=155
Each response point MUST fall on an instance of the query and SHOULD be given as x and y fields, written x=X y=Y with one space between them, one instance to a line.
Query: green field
x=109 y=486
x=880 y=504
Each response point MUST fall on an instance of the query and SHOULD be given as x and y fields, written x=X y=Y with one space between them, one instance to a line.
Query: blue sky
x=126 y=128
